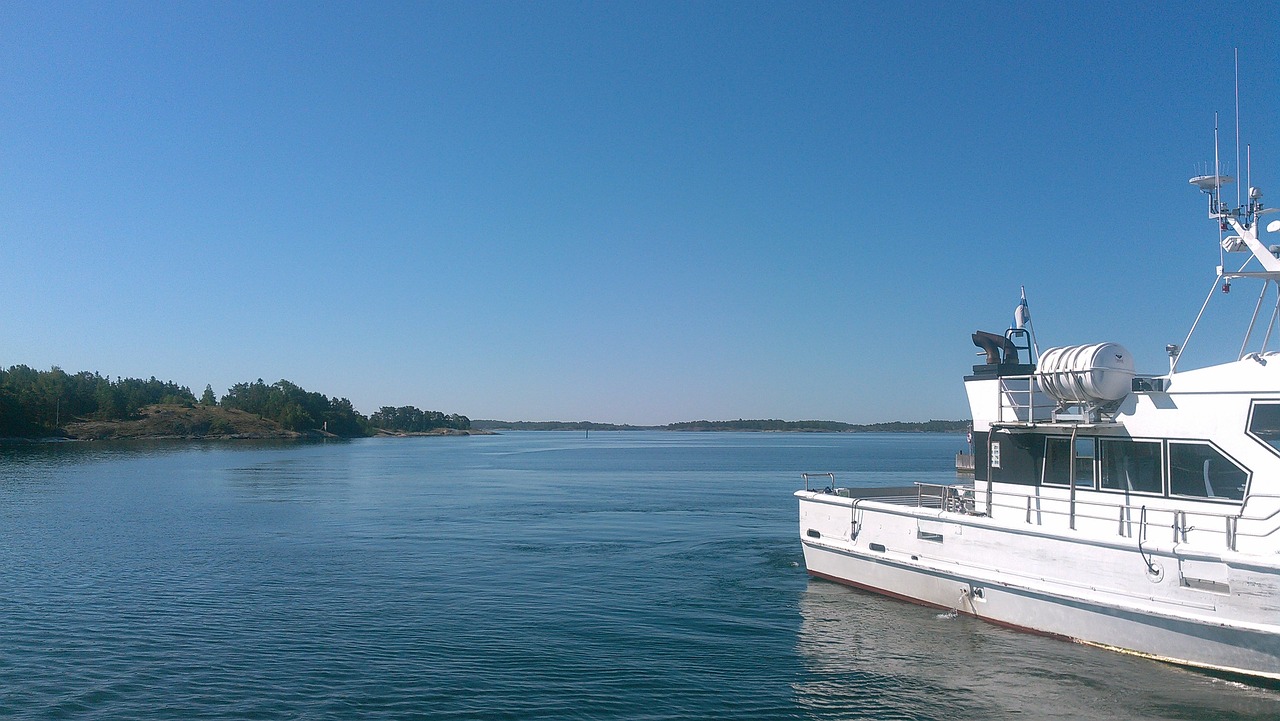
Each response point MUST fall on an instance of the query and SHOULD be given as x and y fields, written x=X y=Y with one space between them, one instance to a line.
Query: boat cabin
x=1081 y=441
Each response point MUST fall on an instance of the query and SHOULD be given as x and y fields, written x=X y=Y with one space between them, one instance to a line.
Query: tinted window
x=1265 y=423
x=1057 y=461
x=1198 y=469
x=1131 y=466
x=1019 y=458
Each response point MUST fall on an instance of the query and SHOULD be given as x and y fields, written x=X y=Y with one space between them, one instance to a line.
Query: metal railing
x=1132 y=521
x=954 y=498
x=1233 y=521
x=1139 y=520
x=830 y=476
x=1020 y=401
x=1180 y=521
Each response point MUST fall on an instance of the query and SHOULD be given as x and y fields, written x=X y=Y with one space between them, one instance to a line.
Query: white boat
x=1135 y=512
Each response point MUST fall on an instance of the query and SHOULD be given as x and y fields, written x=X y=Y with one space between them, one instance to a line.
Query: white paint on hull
x=1092 y=591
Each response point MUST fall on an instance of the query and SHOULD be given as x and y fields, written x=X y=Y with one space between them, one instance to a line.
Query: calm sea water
x=524 y=576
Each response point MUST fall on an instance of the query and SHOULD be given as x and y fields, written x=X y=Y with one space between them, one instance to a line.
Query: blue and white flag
x=1022 y=314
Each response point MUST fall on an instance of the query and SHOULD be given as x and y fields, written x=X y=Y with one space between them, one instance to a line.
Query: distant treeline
x=822 y=426
x=490 y=425
x=924 y=427
x=412 y=420
x=38 y=403
x=738 y=425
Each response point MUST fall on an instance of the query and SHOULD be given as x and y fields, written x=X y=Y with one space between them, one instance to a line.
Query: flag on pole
x=1022 y=314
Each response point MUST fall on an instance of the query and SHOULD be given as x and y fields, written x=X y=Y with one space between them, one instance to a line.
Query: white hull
x=1051 y=593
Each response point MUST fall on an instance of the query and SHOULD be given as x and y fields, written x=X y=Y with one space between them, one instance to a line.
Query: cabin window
x=1057 y=461
x=1264 y=424
x=1019 y=458
x=1131 y=466
x=1200 y=470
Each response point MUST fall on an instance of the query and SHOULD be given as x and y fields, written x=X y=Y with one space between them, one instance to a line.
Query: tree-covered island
x=54 y=403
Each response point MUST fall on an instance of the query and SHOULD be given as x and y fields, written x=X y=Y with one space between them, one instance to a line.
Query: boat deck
x=954 y=498
x=918 y=496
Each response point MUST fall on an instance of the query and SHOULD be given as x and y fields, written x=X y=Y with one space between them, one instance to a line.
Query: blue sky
x=626 y=212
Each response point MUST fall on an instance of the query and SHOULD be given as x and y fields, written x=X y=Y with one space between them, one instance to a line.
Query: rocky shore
x=179 y=421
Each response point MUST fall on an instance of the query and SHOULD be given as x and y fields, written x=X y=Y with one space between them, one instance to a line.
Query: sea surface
x=621 y=575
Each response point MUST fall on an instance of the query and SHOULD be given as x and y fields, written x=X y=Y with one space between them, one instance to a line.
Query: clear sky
x=631 y=212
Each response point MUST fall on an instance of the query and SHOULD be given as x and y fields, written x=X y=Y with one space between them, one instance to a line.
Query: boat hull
x=1180 y=631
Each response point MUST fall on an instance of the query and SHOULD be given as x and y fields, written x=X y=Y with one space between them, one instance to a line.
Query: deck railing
x=1018 y=400
x=829 y=476
x=1143 y=521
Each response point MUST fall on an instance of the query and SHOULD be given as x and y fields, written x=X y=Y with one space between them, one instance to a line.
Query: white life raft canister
x=1095 y=373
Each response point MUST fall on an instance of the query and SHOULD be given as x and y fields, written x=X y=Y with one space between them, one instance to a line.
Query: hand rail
x=806 y=476
x=1010 y=399
x=958 y=498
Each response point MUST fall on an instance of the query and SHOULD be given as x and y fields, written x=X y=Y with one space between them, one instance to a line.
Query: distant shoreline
x=756 y=426
x=201 y=423
x=37 y=405
x=180 y=422
x=384 y=433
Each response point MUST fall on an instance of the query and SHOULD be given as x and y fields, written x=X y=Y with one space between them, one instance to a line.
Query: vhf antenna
x=1238 y=202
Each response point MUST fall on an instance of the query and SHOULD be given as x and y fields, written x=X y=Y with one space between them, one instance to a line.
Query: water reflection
x=37 y=455
x=28 y=468
x=871 y=656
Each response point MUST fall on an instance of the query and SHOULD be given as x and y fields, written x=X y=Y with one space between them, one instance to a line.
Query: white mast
x=1237 y=124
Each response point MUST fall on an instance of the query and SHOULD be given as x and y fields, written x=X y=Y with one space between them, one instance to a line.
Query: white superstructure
x=1135 y=512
